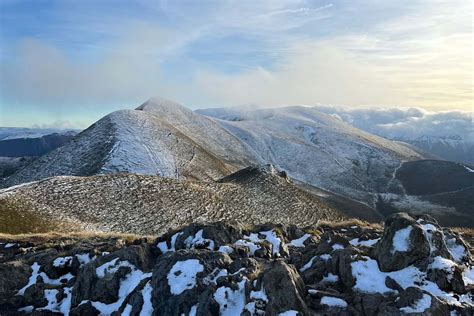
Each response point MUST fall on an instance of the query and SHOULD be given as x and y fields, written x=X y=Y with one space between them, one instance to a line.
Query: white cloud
x=408 y=123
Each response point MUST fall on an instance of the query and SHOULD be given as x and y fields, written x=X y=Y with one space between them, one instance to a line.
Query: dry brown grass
x=465 y=231
x=349 y=222
x=74 y=236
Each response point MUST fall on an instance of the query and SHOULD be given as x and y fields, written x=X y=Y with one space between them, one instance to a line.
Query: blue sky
x=67 y=63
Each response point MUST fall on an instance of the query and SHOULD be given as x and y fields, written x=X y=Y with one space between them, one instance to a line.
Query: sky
x=67 y=63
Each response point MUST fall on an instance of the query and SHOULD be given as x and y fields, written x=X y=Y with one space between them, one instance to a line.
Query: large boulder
x=403 y=243
x=285 y=289
x=187 y=278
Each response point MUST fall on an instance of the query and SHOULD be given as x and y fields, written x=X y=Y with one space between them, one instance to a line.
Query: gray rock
x=285 y=289
x=341 y=262
x=418 y=245
x=409 y=297
x=201 y=293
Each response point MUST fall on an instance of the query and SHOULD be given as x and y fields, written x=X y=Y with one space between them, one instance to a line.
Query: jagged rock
x=207 y=272
x=13 y=275
x=448 y=279
x=403 y=243
x=330 y=242
x=193 y=289
x=105 y=287
x=434 y=235
x=392 y=284
x=34 y=295
x=284 y=288
x=367 y=304
x=84 y=309
x=341 y=263
x=458 y=249
x=409 y=296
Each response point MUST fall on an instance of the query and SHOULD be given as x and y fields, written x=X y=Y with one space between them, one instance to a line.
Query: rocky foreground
x=411 y=267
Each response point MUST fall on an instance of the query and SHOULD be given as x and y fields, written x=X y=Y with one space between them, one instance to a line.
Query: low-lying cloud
x=407 y=123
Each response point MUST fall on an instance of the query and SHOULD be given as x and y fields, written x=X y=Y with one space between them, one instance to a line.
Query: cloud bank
x=407 y=123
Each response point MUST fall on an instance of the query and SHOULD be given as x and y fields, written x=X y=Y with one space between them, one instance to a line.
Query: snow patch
x=330 y=278
x=366 y=243
x=35 y=267
x=127 y=285
x=111 y=267
x=333 y=302
x=309 y=264
x=163 y=246
x=199 y=241
x=300 y=241
x=230 y=302
x=337 y=247
x=468 y=275
x=401 y=240
x=147 y=308
x=182 y=275
x=440 y=263
x=62 y=262
x=289 y=313
x=369 y=279
x=226 y=249
x=458 y=252
x=419 y=306
x=273 y=239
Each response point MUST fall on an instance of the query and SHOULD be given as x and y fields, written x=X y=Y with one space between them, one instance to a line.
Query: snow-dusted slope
x=318 y=149
x=164 y=138
x=159 y=138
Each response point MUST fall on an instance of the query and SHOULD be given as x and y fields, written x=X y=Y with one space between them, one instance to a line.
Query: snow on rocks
x=401 y=240
x=457 y=248
x=366 y=243
x=333 y=302
x=199 y=241
x=182 y=275
x=231 y=302
x=163 y=246
x=300 y=241
x=403 y=243
x=249 y=271
x=254 y=242
x=420 y=305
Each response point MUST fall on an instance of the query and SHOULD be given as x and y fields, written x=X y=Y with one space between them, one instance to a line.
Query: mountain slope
x=21 y=147
x=454 y=148
x=159 y=138
x=152 y=205
x=318 y=149
x=444 y=188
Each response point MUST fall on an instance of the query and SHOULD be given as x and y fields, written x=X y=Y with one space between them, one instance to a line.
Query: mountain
x=318 y=149
x=232 y=269
x=131 y=203
x=31 y=146
x=158 y=138
x=7 y=133
x=454 y=148
x=345 y=167
x=444 y=188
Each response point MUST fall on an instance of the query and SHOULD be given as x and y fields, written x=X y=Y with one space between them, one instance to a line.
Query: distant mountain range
x=325 y=156
x=20 y=146
x=453 y=148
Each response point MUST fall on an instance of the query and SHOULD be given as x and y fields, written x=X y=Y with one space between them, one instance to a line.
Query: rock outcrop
x=230 y=269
